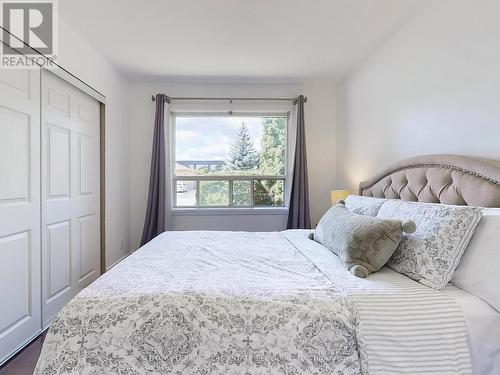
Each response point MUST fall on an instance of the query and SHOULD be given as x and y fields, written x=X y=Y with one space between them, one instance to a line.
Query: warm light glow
x=338 y=195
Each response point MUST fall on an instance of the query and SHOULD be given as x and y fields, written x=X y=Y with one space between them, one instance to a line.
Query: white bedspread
x=252 y=303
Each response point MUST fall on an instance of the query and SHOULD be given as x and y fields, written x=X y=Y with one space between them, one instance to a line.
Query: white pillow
x=479 y=270
x=362 y=205
x=432 y=253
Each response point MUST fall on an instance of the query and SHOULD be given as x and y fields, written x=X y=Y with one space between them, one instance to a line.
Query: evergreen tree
x=243 y=155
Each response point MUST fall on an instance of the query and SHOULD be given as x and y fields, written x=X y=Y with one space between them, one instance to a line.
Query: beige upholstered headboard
x=447 y=179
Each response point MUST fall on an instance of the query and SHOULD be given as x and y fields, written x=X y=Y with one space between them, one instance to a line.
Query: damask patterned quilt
x=248 y=303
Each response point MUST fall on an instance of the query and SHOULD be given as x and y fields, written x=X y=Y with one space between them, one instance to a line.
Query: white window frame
x=173 y=178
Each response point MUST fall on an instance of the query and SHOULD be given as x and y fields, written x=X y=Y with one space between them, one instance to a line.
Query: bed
x=209 y=302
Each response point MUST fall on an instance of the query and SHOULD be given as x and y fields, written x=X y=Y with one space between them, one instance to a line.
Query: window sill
x=230 y=211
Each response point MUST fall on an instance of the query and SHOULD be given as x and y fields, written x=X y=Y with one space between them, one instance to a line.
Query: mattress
x=483 y=330
x=253 y=303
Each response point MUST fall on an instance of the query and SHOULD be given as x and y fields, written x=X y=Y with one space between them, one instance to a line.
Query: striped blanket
x=252 y=303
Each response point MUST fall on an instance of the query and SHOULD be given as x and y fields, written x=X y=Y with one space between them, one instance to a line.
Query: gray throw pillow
x=363 y=243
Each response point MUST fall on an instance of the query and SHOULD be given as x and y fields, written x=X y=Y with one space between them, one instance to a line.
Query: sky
x=210 y=138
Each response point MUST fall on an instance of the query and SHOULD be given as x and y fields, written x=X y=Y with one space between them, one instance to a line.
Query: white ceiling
x=227 y=39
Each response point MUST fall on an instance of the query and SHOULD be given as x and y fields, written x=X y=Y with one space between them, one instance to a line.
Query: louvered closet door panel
x=70 y=193
x=20 y=317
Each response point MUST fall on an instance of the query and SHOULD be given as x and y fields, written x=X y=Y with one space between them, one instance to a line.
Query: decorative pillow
x=363 y=243
x=431 y=254
x=364 y=205
x=477 y=272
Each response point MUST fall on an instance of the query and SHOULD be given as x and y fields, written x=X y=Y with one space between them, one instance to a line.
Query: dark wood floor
x=23 y=363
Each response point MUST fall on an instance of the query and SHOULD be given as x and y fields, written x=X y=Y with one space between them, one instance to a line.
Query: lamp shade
x=338 y=195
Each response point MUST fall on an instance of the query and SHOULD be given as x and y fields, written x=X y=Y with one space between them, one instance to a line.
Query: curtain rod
x=168 y=99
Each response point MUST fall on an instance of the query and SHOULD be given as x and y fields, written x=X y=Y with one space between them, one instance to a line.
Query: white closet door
x=19 y=208
x=70 y=193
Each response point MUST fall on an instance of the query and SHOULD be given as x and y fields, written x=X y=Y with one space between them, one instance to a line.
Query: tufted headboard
x=447 y=179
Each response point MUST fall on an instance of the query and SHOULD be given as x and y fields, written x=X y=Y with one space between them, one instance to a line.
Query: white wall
x=320 y=135
x=81 y=59
x=320 y=120
x=433 y=87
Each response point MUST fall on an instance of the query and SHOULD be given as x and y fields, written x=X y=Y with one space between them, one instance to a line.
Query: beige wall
x=432 y=87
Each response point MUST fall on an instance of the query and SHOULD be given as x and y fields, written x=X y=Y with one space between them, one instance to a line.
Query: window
x=229 y=161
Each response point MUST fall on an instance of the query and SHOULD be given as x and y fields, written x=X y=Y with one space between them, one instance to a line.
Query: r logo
x=29 y=23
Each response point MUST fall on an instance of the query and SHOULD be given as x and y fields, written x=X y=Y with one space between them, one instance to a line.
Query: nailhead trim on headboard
x=481 y=191
x=446 y=166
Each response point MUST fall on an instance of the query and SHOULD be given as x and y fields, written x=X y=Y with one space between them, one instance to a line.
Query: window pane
x=215 y=145
x=268 y=193
x=186 y=193
x=242 y=193
x=214 y=193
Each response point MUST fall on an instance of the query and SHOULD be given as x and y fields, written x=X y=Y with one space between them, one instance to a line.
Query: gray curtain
x=154 y=224
x=298 y=214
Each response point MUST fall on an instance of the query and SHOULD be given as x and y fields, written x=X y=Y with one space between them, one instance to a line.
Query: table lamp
x=337 y=195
